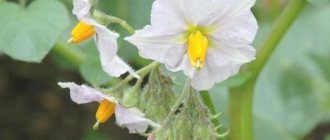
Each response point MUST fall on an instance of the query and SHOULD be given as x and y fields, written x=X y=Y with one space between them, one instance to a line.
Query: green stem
x=72 y=56
x=283 y=23
x=107 y=19
x=241 y=102
x=207 y=100
x=241 y=98
x=142 y=72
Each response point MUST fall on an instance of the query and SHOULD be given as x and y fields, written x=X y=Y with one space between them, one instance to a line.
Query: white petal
x=174 y=57
x=239 y=30
x=84 y=94
x=81 y=9
x=166 y=15
x=228 y=9
x=220 y=65
x=117 y=67
x=183 y=64
x=133 y=119
x=153 y=43
x=240 y=52
x=199 y=12
x=187 y=67
x=106 y=42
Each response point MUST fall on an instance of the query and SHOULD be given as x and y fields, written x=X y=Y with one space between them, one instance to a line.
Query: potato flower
x=208 y=40
x=132 y=118
x=106 y=40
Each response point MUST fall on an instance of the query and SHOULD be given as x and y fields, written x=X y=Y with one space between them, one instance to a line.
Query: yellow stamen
x=81 y=32
x=197 y=49
x=105 y=111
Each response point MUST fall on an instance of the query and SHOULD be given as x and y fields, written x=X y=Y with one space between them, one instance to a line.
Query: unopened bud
x=182 y=128
x=155 y=112
x=131 y=97
x=204 y=131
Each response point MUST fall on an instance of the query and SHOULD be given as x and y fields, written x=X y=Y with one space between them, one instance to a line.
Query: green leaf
x=29 y=33
x=319 y=2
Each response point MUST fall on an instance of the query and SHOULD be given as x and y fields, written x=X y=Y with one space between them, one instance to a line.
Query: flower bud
x=158 y=96
x=203 y=131
x=145 y=96
x=131 y=97
x=156 y=112
x=182 y=127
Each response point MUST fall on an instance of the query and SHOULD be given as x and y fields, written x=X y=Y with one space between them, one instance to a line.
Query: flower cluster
x=209 y=40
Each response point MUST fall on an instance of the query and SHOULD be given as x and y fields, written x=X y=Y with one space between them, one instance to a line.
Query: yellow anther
x=81 y=32
x=197 y=49
x=105 y=111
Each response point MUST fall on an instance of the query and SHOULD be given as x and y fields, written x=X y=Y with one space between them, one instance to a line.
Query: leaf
x=28 y=34
x=319 y=2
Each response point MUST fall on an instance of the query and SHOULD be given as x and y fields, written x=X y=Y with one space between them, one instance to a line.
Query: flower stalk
x=142 y=73
x=108 y=19
x=241 y=98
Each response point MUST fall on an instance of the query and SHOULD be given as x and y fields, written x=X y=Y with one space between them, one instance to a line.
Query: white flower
x=106 y=40
x=132 y=118
x=208 y=39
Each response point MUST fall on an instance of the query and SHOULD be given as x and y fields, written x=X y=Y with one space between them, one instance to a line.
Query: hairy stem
x=108 y=19
x=241 y=98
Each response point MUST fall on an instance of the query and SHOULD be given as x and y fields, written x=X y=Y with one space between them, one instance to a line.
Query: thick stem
x=241 y=102
x=241 y=98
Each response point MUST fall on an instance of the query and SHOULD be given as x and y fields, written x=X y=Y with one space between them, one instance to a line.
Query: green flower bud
x=157 y=96
x=182 y=127
x=203 y=131
x=131 y=97
x=155 y=112
x=145 y=97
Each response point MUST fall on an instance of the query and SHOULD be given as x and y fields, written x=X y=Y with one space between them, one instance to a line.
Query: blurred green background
x=292 y=99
